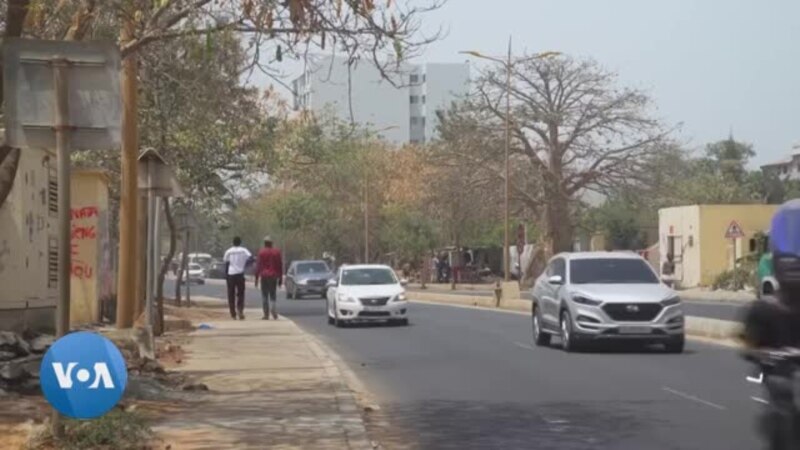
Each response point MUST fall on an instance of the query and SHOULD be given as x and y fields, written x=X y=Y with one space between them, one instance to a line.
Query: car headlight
x=672 y=301
x=347 y=299
x=585 y=301
x=400 y=297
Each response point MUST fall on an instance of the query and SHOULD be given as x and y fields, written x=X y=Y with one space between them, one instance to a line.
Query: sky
x=711 y=66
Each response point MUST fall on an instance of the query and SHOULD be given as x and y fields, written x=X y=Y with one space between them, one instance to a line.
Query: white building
x=403 y=113
x=787 y=168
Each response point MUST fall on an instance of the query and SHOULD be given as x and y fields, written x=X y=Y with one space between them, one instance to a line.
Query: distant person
x=668 y=270
x=269 y=268
x=236 y=259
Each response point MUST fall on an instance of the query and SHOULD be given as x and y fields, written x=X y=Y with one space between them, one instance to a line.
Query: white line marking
x=760 y=400
x=693 y=398
x=758 y=380
x=525 y=346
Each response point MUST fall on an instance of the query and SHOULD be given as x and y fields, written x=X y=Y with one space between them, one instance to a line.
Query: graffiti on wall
x=84 y=223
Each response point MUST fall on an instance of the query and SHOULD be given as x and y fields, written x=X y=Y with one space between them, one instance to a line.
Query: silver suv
x=595 y=296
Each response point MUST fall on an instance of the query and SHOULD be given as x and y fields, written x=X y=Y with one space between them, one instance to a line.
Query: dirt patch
x=197 y=314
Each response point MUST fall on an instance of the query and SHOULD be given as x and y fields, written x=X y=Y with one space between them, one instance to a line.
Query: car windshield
x=195 y=267
x=611 y=271
x=352 y=277
x=312 y=268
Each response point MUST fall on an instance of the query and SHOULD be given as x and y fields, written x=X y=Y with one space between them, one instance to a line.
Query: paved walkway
x=271 y=386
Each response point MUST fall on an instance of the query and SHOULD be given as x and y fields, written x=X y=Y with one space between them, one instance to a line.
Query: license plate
x=634 y=330
x=373 y=308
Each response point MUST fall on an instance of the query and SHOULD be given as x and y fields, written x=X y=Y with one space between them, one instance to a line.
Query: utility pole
x=129 y=196
x=366 y=217
x=506 y=242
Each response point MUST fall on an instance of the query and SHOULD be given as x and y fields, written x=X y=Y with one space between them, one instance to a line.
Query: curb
x=699 y=327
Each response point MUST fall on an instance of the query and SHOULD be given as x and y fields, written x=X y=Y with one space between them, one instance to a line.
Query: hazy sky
x=713 y=65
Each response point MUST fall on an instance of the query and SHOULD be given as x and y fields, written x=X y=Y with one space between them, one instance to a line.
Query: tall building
x=402 y=113
x=786 y=169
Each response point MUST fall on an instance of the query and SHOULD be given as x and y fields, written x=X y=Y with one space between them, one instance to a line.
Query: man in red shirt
x=269 y=268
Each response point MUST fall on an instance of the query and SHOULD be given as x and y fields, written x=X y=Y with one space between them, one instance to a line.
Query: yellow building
x=696 y=236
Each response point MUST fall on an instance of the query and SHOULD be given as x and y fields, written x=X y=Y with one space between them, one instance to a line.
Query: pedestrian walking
x=236 y=259
x=269 y=269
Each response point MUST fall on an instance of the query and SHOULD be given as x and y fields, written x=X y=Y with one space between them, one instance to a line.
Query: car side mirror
x=403 y=282
x=555 y=279
x=332 y=283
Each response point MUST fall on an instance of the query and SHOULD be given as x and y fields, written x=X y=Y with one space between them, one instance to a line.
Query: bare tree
x=573 y=131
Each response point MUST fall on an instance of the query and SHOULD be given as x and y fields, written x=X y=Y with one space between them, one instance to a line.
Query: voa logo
x=83 y=375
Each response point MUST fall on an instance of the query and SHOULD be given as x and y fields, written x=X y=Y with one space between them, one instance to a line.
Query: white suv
x=594 y=296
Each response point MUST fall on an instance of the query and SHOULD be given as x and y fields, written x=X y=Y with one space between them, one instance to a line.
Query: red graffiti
x=81 y=270
x=81 y=233
x=84 y=213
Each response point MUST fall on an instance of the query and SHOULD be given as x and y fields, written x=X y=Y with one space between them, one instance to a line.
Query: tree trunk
x=162 y=274
x=182 y=270
x=559 y=224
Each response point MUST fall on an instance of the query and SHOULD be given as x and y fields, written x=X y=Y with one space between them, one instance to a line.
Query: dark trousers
x=236 y=293
x=269 y=287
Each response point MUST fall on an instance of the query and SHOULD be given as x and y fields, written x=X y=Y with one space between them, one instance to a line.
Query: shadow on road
x=444 y=424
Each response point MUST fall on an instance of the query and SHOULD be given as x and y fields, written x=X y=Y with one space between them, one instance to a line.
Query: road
x=692 y=307
x=464 y=378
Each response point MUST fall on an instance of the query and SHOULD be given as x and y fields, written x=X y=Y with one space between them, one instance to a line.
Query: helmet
x=784 y=239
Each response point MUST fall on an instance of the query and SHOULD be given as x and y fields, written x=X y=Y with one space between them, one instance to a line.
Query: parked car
x=307 y=278
x=194 y=274
x=363 y=293
x=218 y=270
x=598 y=296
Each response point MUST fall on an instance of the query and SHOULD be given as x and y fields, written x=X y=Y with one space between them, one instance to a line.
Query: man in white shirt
x=236 y=259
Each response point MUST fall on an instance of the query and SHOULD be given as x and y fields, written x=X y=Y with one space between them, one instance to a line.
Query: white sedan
x=365 y=293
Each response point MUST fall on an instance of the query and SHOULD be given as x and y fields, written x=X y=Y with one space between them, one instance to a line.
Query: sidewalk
x=270 y=386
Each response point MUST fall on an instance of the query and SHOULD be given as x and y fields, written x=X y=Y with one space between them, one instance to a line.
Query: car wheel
x=201 y=282
x=339 y=323
x=567 y=336
x=288 y=293
x=294 y=293
x=540 y=338
x=330 y=320
x=675 y=345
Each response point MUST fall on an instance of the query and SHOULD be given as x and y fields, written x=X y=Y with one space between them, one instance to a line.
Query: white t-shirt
x=237 y=258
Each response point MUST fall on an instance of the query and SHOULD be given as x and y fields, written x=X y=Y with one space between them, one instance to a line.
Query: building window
x=52 y=263
x=414 y=99
x=414 y=78
x=784 y=170
x=423 y=78
x=414 y=120
x=423 y=99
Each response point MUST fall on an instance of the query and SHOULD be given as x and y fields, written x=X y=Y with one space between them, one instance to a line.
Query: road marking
x=760 y=400
x=693 y=398
x=525 y=346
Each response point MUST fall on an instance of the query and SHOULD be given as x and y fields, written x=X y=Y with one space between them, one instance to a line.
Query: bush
x=123 y=430
x=737 y=279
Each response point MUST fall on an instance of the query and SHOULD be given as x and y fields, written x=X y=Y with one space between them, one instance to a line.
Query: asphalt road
x=464 y=378
x=692 y=307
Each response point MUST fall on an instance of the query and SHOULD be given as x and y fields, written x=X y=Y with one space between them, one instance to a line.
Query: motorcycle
x=779 y=374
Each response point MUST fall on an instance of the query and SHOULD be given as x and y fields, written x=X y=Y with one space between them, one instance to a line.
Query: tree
x=731 y=157
x=573 y=131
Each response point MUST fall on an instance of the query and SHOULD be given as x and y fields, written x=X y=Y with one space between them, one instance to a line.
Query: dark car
x=217 y=270
x=307 y=278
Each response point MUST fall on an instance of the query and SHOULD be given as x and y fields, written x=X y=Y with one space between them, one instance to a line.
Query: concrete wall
x=717 y=251
x=28 y=245
x=682 y=225
x=92 y=272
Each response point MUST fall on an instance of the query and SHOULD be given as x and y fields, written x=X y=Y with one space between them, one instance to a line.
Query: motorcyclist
x=772 y=325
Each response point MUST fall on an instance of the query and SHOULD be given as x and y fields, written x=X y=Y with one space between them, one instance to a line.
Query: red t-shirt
x=269 y=263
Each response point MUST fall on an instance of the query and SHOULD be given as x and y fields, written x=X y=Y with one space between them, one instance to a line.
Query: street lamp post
x=508 y=64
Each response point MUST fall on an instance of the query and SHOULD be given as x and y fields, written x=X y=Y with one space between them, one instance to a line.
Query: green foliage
x=119 y=430
x=737 y=279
